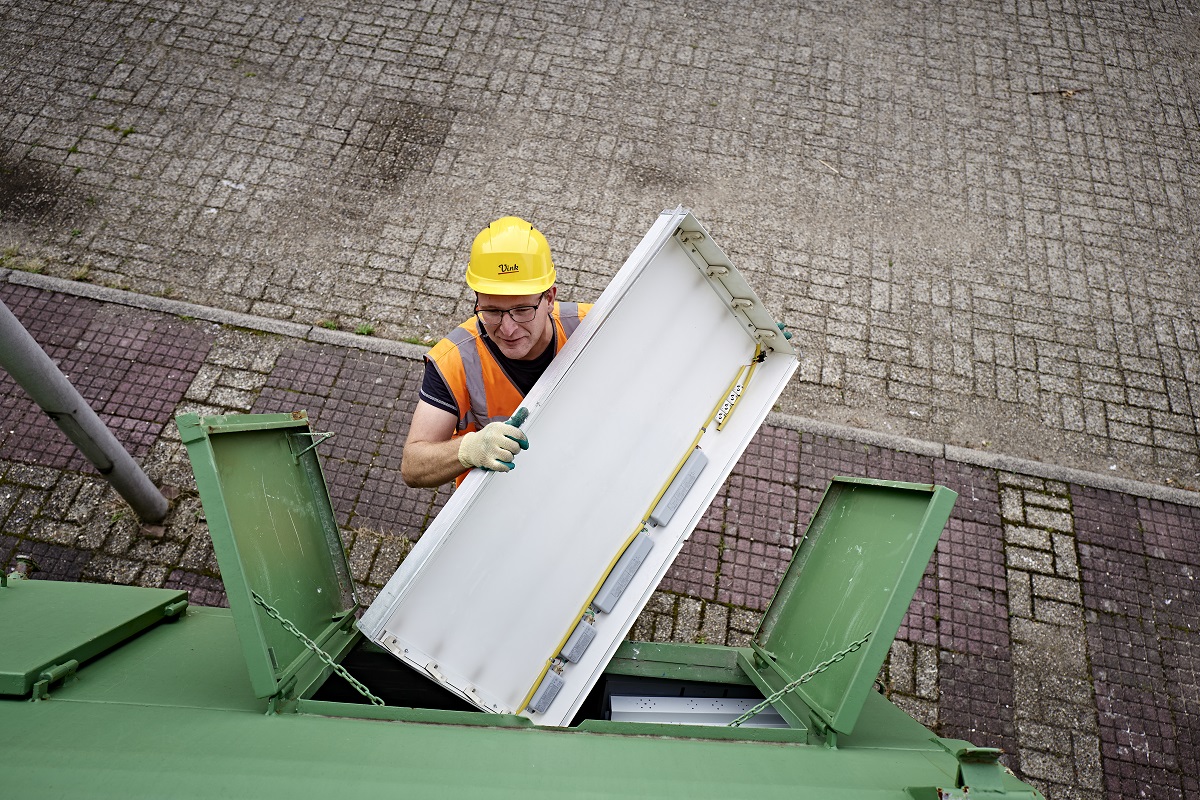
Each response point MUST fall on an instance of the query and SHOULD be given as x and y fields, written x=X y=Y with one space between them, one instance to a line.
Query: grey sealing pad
x=578 y=641
x=623 y=572
x=671 y=500
x=546 y=692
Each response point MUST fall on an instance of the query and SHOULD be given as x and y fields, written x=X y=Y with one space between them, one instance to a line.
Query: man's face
x=518 y=340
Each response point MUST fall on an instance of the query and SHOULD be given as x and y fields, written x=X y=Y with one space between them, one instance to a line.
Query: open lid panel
x=274 y=533
x=853 y=576
x=632 y=430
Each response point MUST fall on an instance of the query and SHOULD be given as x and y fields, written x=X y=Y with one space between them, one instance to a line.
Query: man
x=476 y=377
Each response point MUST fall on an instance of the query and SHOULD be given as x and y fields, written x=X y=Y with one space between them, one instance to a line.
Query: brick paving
x=980 y=217
x=1057 y=619
x=119 y=360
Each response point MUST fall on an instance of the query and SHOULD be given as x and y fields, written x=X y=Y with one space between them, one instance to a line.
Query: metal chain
x=805 y=678
x=321 y=654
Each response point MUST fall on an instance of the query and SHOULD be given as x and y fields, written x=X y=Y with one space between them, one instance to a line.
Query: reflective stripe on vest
x=481 y=389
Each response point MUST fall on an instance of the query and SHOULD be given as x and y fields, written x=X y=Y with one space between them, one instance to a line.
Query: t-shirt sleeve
x=435 y=391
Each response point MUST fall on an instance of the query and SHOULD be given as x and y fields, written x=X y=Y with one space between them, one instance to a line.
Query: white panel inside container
x=723 y=448
x=495 y=611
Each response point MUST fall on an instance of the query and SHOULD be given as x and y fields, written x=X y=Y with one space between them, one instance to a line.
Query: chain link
x=321 y=654
x=805 y=678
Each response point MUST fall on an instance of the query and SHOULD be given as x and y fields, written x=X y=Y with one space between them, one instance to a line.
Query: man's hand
x=493 y=447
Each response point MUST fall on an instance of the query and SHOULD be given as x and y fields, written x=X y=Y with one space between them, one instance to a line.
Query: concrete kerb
x=987 y=460
x=316 y=334
x=179 y=308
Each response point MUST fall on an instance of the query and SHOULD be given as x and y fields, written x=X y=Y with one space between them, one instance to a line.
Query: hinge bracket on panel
x=713 y=271
x=765 y=334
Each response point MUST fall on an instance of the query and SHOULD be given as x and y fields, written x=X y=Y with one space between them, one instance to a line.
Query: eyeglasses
x=495 y=316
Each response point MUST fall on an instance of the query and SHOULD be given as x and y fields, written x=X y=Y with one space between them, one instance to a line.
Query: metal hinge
x=55 y=674
x=173 y=611
x=980 y=775
x=980 y=770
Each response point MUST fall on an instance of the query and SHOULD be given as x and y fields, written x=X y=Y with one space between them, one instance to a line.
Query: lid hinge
x=277 y=702
x=980 y=770
x=312 y=646
x=24 y=566
x=762 y=656
x=55 y=674
x=174 y=611
x=980 y=774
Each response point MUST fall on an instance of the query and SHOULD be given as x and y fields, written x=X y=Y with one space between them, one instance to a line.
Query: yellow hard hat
x=510 y=257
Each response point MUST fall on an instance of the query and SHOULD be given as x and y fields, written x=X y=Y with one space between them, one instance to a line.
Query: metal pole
x=33 y=370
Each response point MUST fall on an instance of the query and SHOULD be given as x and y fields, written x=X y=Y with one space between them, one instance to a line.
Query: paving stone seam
x=313 y=333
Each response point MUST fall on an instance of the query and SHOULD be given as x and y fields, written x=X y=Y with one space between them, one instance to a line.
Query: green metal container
x=234 y=702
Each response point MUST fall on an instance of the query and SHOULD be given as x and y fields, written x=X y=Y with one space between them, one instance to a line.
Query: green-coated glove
x=495 y=446
x=783 y=329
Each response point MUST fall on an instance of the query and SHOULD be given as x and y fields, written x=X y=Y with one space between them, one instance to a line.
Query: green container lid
x=49 y=624
x=274 y=533
x=853 y=576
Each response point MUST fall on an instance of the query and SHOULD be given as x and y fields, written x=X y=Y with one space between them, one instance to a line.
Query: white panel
x=488 y=595
x=709 y=711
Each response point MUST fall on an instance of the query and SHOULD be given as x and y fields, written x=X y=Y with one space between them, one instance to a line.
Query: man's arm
x=430 y=455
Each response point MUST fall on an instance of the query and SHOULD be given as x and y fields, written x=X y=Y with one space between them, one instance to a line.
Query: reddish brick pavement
x=1137 y=558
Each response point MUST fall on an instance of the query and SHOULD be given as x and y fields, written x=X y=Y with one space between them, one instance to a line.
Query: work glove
x=495 y=446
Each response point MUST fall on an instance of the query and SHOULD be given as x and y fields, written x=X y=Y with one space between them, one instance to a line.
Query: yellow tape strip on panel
x=645 y=517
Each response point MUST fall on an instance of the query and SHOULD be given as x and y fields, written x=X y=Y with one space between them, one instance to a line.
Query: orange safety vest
x=481 y=390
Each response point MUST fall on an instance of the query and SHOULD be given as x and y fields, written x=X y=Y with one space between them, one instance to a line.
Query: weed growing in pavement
x=365 y=329
x=328 y=324
x=115 y=128
x=80 y=274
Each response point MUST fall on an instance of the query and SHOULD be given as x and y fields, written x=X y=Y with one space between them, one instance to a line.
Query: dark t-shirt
x=523 y=374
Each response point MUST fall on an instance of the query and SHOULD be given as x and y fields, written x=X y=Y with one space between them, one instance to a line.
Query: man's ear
x=552 y=293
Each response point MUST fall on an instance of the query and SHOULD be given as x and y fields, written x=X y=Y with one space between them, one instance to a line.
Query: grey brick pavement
x=981 y=217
